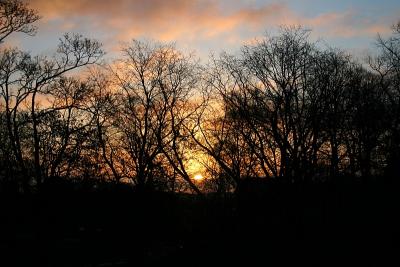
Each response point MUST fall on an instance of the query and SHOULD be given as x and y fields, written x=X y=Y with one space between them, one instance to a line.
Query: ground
x=319 y=224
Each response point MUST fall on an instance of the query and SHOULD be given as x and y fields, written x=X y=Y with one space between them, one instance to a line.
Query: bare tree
x=219 y=130
x=271 y=84
x=73 y=52
x=24 y=79
x=335 y=77
x=155 y=82
x=16 y=16
x=387 y=66
x=102 y=107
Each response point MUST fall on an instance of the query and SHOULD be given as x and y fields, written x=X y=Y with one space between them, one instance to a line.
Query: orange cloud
x=157 y=18
x=193 y=21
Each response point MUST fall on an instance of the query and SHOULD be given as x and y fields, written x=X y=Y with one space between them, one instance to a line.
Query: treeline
x=282 y=109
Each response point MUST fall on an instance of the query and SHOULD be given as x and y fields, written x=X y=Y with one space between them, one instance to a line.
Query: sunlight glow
x=198 y=177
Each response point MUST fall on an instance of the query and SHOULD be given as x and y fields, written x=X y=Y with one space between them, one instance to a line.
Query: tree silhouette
x=16 y=16
x=387 y=66
x=155 y=82
x=283 y=108
x=25 y=78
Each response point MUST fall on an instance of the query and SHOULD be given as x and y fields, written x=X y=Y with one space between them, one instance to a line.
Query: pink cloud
x=193 y=21
x=159 y=19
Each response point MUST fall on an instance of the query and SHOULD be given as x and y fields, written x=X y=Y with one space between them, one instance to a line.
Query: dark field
x=264 y=223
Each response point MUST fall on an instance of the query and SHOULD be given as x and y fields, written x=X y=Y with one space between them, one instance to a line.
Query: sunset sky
x=203 y=26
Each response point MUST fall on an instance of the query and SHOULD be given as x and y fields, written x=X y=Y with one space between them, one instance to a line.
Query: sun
x=198 y=177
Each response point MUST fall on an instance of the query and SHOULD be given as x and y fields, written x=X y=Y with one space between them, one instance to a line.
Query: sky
x=205 y=26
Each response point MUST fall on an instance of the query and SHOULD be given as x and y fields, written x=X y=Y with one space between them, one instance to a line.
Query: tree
x=334 y=80
x=387 y=67
x=219 y=131
x=155 y=84
x=16 y=16
x=102 y=107
x=269 y=92
x=24 y=79
x=73 y=52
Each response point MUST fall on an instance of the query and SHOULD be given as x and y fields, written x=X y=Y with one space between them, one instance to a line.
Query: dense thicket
x=282 y=109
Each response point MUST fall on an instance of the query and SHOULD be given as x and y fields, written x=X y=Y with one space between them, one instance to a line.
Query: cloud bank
x=197 y=21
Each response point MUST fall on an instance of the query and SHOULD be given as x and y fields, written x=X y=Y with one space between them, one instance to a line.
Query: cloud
x=195 y=21
x=159 y=19
x=347 y=24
